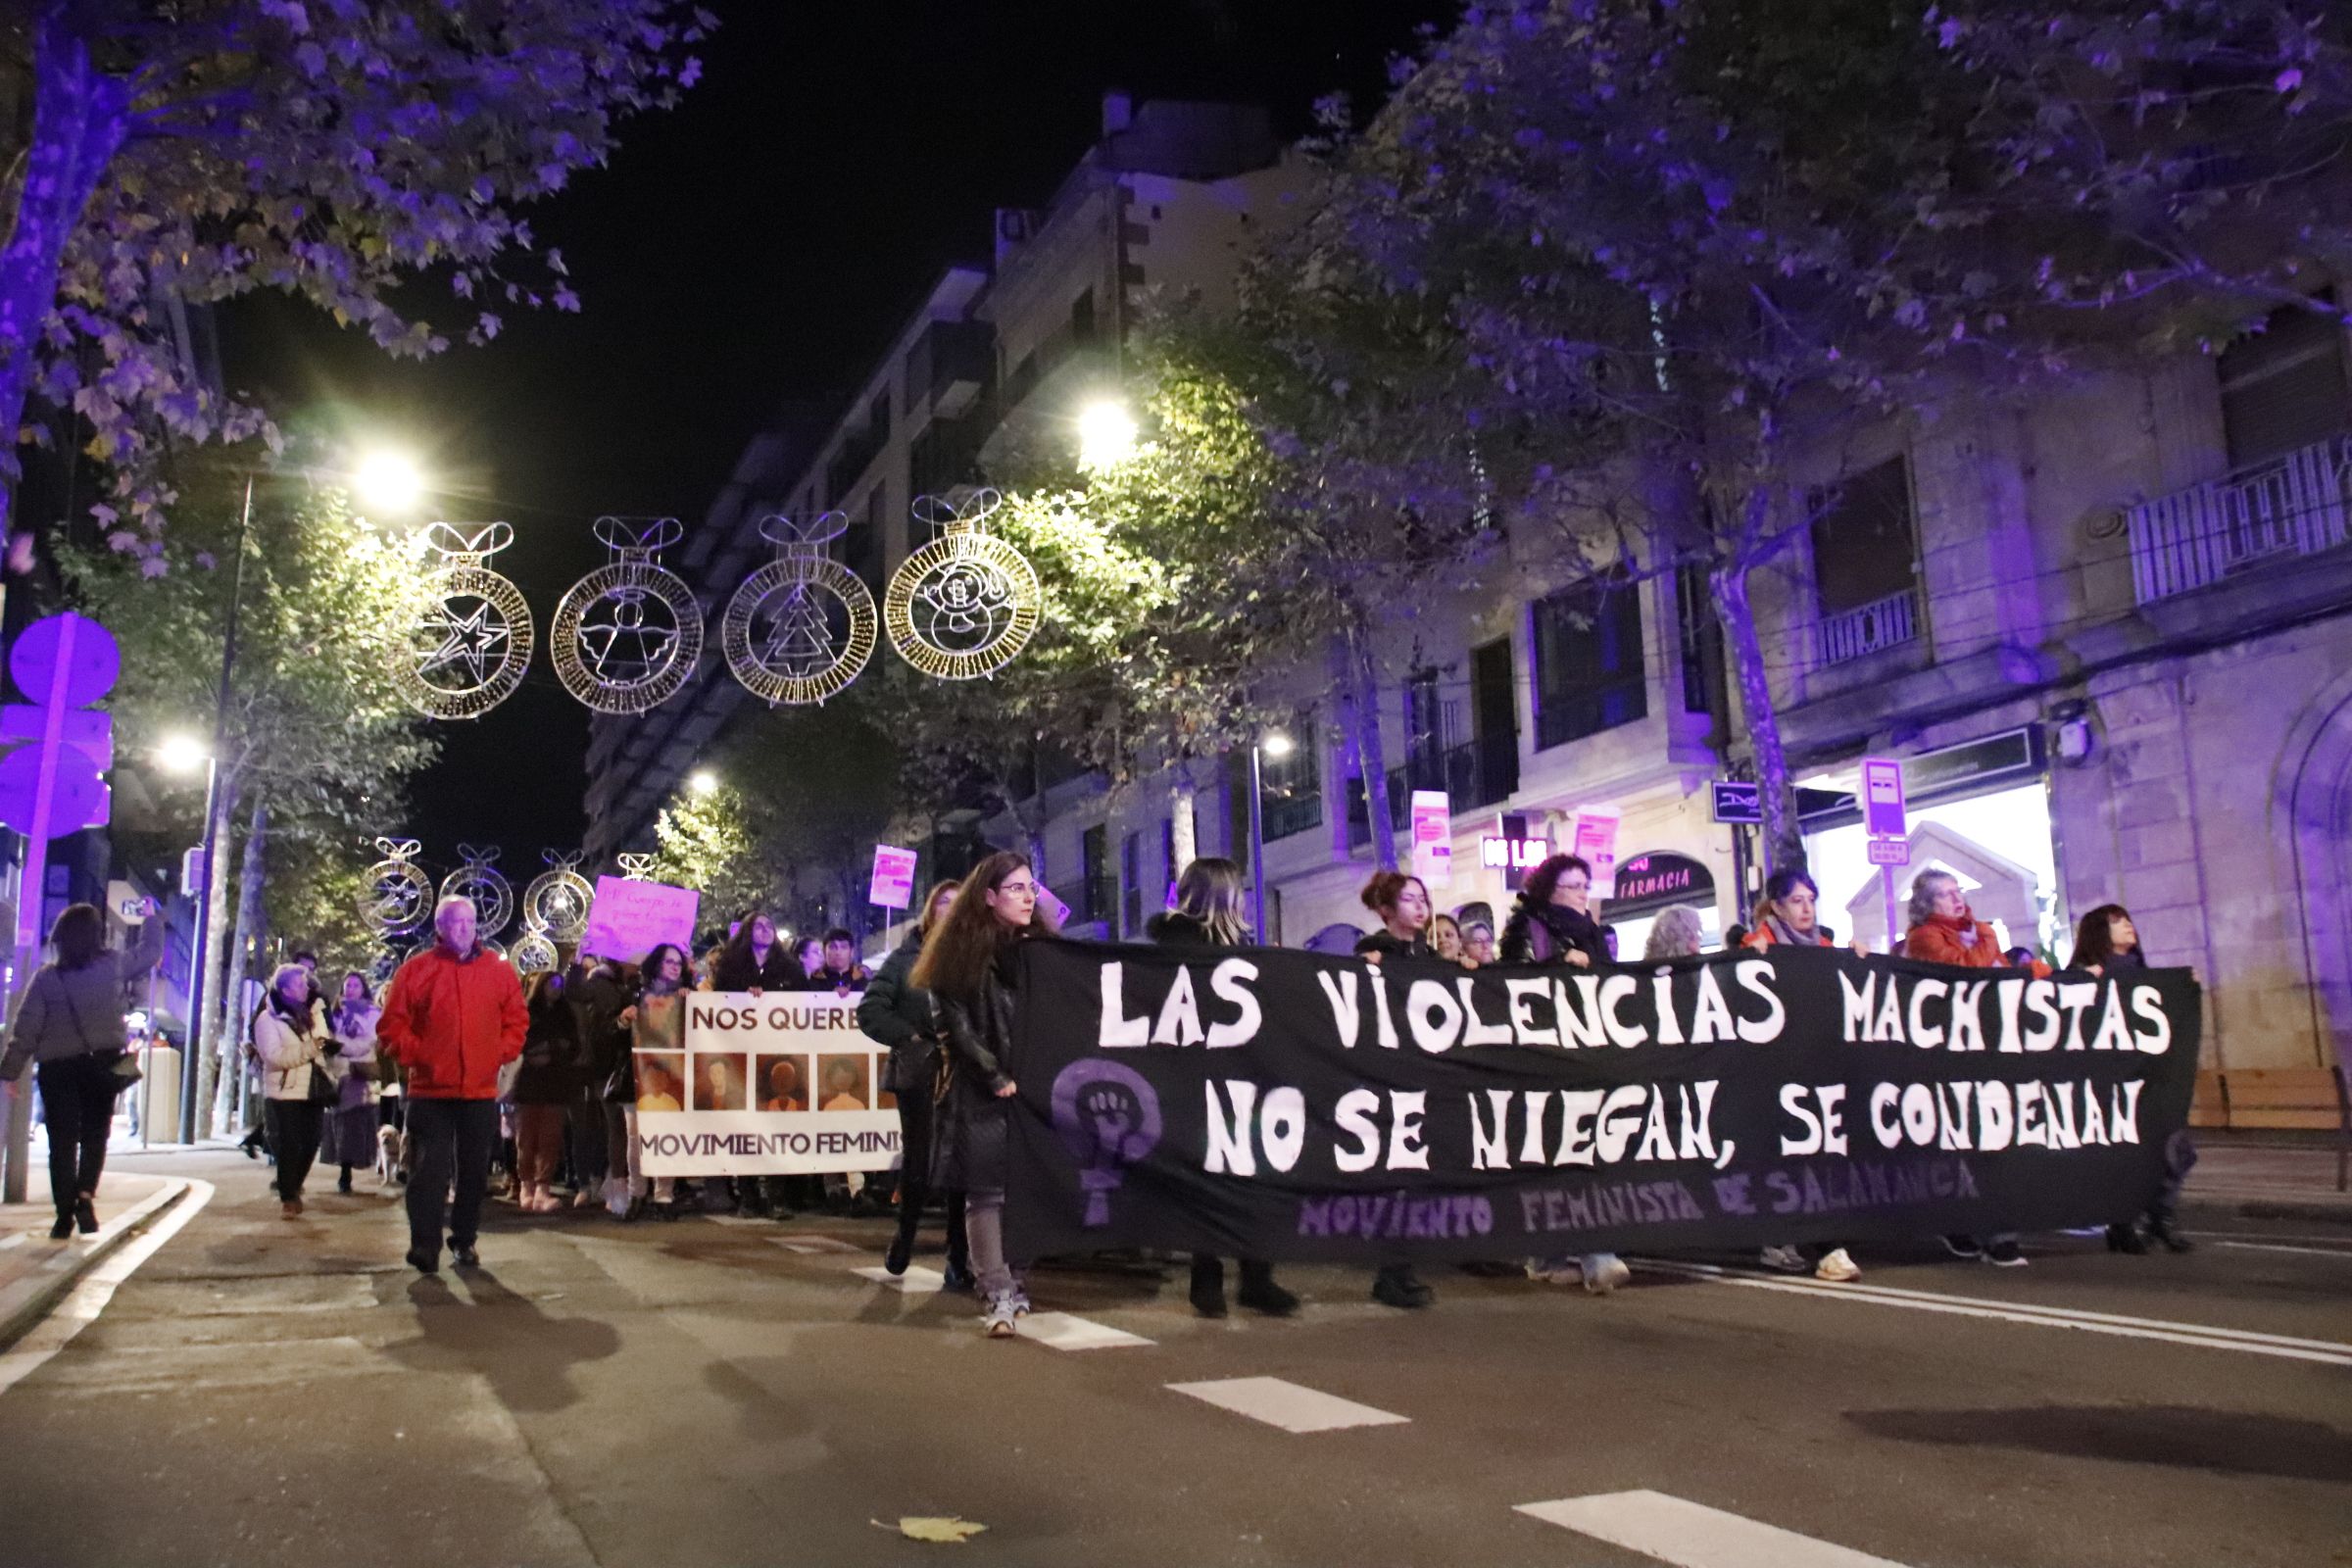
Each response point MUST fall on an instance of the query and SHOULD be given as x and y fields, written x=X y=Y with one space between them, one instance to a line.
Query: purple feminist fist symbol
x=1108 y=1118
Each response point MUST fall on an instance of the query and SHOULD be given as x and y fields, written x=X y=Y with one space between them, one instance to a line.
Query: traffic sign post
x=50 y=787
x=1885 y=817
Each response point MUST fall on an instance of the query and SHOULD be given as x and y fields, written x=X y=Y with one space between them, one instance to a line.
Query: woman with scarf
x=2107 y=945
x=291 y=1038
x=347 y=1136
x=1402 y=904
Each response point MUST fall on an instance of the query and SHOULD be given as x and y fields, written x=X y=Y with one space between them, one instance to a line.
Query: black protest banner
x=1281 y=1105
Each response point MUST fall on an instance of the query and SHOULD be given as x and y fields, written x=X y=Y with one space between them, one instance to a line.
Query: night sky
x=742 y=261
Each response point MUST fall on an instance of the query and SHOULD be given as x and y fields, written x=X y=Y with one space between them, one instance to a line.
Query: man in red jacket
x=453 y=1017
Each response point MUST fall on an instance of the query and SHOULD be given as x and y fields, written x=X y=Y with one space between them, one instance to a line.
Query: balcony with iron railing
x=1476 y=774
x=1291 y=813
x=1872 y=629
x=2296 y=505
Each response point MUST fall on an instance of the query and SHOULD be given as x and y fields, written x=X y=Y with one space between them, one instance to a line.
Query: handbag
x=121 y=1065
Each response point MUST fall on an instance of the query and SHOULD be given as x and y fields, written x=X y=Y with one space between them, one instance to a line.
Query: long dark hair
x=961 y=952
x=651 y=969
x=739 y=946
x=2094 y=938
x=78 y=935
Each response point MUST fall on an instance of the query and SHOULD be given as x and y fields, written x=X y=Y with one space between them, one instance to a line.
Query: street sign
x=1891 y=852
x=1736 y=802
x=1883 y=812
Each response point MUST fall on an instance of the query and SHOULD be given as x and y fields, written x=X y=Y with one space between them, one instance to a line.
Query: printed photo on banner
x=660 y=1081
x=783 y=1081
x=773 y=1084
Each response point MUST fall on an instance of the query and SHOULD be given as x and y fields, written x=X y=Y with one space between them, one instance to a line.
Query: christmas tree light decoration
x=556 y=899
x=492 y=894
x=635 y=867
x=627 y=635
x=472 y=646
x=800 y=628
x=966 y=603
x=399 y=900
x=533 y=954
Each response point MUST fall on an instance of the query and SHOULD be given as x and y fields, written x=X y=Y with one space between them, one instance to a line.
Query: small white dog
x=389 y=1152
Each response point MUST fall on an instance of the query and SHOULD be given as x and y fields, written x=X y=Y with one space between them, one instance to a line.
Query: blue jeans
x=449 y=1137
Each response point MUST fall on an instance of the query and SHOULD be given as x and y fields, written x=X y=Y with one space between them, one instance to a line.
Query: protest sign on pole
x=1595 y=837
x=892 y=886
x=631 y=918
x=1433 y=838
x=1285 y=1104
x=775 y=1085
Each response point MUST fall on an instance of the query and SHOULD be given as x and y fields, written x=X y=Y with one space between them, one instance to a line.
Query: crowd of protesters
x=463 y=1068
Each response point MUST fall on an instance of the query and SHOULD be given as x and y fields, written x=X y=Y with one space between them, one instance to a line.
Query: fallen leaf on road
x=916 y=1528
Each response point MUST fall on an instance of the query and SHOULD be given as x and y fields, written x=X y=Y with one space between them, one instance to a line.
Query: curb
x=24 y=1304
x=2303 y=1211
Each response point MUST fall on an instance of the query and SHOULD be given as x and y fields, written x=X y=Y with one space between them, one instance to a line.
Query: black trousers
x=918 y=1131
x=77 y=1105
x=294 y=1126
x=449 y=1137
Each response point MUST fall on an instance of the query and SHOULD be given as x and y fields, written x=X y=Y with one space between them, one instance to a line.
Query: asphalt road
x=262 y=1392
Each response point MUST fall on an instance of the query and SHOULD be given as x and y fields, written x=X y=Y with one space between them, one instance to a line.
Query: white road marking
x=16 y=1239
x=1690 y=1535
x=917 y=1280
x=1288 y=1405
x=2329 y=1352
x=2341 y=1239
x=1060 y=1331
x=2273 y=1247
x=88 y=1299
x=814 y=1243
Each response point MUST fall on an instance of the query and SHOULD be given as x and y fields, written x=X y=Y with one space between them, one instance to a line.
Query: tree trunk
x=1183 y=845
x=1783 y=845
x=79 y=119
x=205 y=1025
x=250 y=872
x=1360 y=714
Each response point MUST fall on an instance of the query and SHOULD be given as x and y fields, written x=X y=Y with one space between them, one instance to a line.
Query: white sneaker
x=1554 y=1271
x=1784 y=1260
x=1603 y=1272
x=998 y=1324
x=1837 y=1266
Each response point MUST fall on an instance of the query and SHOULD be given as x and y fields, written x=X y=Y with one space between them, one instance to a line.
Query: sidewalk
x=2267 y=1181
x=35 y=1271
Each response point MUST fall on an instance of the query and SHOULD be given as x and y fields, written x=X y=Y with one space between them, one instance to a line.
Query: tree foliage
x=333 y=150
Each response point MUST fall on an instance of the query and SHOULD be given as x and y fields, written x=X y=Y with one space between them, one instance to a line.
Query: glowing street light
x=388 y=482
x=183 y=754
x=1273 y=743
x=702 y=782
x=1276 y=743
x=1106 y=435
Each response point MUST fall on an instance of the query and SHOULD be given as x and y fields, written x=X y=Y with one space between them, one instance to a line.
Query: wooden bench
x=2288 y=1099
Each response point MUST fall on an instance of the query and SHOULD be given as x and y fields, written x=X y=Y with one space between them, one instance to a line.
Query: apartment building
x=2110 y=635
x=1163 y=206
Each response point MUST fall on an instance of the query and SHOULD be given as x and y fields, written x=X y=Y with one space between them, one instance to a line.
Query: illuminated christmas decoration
x=474 y=645
x=533 y=954
x=556 y=899
x=800 y=627
x=399 y=900
x=635 y=867
x=492 y=894
x=964 y=604
x=627 y=635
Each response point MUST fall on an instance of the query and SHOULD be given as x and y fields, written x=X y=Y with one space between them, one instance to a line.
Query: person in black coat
x=754 y=959
x=1552 y=922
x=1402 y=904
x=893 y=1012
x=2107 y=945
x=1208 y=915
x=967 y=968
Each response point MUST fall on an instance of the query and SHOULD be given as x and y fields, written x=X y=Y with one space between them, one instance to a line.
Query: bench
x=2310 y=1100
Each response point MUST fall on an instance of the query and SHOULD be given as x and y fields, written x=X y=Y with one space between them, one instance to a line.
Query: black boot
x=1209 y=1286
x=63 y=1227
x=902 y=1247
x=1394 y=1286
x=2126 y=1238
x=343 y=1182
x=2160 y=1229
x=1259 y=1293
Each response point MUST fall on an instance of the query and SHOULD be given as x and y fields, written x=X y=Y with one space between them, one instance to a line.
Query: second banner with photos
x=775 y=1085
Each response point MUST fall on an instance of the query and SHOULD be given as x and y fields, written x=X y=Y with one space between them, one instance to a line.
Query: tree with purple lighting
x=336 y=150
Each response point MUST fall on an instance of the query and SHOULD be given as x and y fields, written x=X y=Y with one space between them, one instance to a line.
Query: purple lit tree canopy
x=335 y=150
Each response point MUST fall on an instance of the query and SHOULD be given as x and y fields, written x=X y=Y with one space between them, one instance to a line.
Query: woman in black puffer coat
x=1208 y=915
x=895 y=1013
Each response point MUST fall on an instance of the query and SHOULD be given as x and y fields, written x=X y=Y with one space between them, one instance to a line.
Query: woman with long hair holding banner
x=753 y=960
x=657 y=1021
x=967 y=966
x=1208 y=915
x=1402 y=904
x=902 y=1016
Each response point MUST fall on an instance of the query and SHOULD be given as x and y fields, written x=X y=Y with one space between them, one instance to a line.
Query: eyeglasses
x=1016 y=887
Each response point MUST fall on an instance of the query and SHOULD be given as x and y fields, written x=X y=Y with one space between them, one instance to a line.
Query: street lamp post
x=1274 y=743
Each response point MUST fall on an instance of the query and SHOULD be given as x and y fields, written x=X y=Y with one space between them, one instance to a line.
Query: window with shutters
x=2284 y=387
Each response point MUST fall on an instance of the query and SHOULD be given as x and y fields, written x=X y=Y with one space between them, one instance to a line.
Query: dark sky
x=744 y=258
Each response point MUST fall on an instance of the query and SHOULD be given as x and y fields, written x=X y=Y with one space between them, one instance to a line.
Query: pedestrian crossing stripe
x=1690 y=1535
x=1291 y=1407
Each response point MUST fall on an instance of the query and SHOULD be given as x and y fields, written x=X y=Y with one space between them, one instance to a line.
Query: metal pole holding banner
x=1257 y=848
